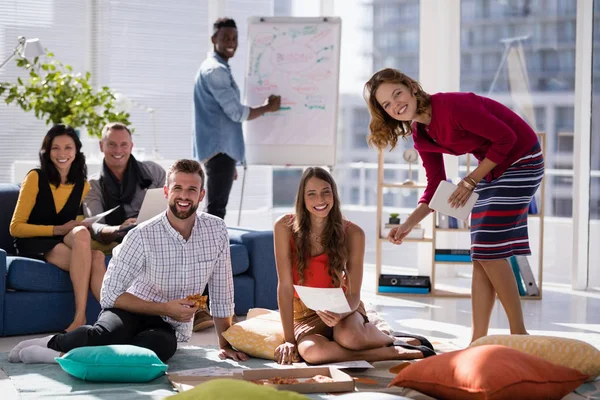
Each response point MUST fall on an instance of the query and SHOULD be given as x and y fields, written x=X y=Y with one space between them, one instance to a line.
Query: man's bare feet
x=77 y=322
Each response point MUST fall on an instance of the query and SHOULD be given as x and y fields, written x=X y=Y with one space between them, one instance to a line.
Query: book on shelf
x=453 y=255
x=458 y=258
x=403 y=289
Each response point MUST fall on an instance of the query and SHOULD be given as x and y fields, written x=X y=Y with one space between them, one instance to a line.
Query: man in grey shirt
x=122 y=181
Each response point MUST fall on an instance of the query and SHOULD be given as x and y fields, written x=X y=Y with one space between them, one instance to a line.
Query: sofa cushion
x=9 y=194
x=239 y=259
x=36 y=276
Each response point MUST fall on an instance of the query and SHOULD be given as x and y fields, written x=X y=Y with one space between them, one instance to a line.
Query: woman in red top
x=316 y=247
x=511 y=168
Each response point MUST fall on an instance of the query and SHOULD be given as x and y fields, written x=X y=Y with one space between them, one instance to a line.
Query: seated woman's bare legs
x=97 y=274
x=353 y=339
x=316 y=349
x=75 y=256
x=354 y=333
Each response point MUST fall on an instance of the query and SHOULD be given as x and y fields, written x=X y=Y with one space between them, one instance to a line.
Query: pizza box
x=342 y=381
x=188 y=379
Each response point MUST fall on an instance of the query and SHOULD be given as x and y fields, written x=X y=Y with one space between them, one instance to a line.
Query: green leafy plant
x=58 y=95
x=394 y=215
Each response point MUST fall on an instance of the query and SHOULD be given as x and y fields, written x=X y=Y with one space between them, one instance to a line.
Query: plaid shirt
x=155 y=263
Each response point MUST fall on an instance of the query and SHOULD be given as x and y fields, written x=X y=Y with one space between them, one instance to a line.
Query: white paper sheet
x=323 y=299
x=98 y=217
x=340 y=365
x=214 y=371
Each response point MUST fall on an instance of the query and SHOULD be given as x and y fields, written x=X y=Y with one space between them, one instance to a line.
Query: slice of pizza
x=200 y=301
x=280 y=380
x=320 y=379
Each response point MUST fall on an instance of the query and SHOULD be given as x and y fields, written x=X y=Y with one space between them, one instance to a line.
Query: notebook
x=439 y=202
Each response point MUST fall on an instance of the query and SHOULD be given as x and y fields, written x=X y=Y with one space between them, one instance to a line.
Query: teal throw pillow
x=114 y=363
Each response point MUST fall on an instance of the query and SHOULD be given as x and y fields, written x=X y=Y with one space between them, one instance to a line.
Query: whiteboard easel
x=298 y=59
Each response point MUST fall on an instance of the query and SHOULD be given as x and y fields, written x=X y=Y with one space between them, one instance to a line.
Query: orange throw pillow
x=489 y=372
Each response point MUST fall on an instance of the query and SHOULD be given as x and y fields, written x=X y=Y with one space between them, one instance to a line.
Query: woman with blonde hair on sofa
x=45 y=222
x=317 y=247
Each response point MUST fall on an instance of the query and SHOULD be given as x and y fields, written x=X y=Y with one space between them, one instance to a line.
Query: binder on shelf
x=530 y=286
x=403 y=289
x=515 y=269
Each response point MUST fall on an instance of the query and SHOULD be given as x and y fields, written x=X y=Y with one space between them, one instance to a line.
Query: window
x=540 y=118
x=21 y=133
x=550 y=68
x=565 y=119
x=285 y=186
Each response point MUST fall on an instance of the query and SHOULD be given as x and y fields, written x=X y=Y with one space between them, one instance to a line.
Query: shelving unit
x=432 y=239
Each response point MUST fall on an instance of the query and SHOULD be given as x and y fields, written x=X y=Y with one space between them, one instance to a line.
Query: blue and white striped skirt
x=499 y=218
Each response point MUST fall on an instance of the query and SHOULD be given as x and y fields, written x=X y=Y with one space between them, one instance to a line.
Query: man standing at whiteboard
x=218 y=117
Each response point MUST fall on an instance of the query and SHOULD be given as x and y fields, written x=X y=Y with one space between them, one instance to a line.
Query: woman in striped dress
x=510 y=170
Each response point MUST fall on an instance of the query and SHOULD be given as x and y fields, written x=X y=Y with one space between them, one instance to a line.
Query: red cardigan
x=464 y=123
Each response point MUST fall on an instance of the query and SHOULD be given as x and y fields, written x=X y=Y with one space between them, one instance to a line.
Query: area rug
x=36 y=381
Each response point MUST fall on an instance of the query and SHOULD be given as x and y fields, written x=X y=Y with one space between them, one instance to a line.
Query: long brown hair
x=334 y=235
x=384 y=130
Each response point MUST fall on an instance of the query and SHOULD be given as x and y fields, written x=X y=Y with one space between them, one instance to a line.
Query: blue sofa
x=36 y=296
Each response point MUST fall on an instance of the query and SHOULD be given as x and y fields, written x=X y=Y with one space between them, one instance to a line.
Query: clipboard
x=439 y=202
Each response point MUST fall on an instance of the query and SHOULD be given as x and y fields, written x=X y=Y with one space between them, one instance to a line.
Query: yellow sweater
x=29 y=190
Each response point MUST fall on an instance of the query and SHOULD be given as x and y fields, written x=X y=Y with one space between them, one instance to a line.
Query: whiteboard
x=298 y=59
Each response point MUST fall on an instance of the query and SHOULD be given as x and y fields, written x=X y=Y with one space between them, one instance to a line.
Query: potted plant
x=394 y=220
x=58 y=95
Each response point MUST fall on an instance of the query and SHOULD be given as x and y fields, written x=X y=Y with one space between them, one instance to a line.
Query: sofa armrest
x=261 y=253
x=3 y=277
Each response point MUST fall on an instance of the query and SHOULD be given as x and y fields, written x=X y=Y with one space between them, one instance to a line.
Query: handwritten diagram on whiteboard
x=298 y=59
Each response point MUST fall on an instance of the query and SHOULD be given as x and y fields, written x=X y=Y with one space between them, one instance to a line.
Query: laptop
x=154 y=203
x=439 y=202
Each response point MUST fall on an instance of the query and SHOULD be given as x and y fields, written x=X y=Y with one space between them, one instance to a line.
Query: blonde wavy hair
x=334 y=234
x=385 y=130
